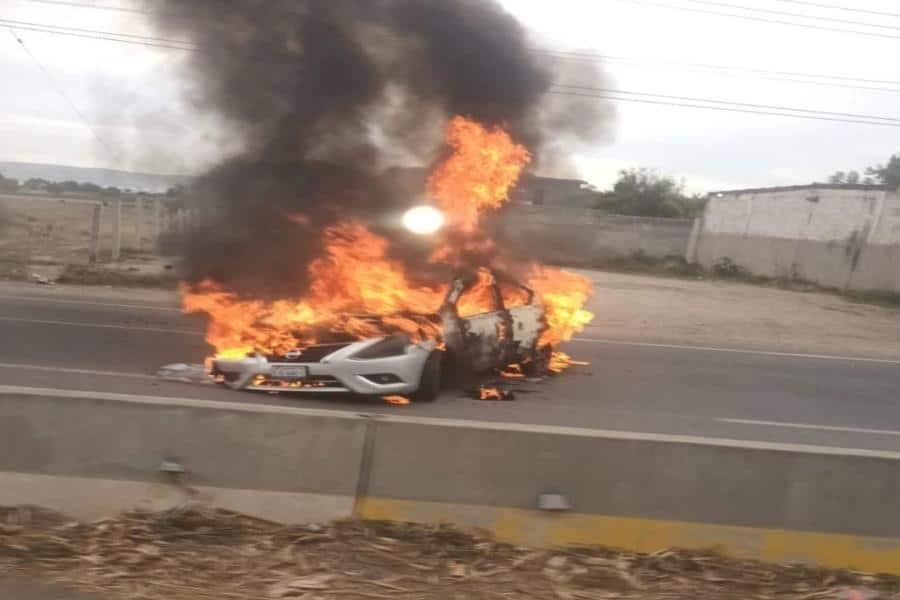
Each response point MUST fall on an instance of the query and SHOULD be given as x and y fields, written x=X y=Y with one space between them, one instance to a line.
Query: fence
x=92 y=228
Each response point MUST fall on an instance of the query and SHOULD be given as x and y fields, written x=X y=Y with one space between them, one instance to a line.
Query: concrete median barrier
x=640 y=491
x=89 y=456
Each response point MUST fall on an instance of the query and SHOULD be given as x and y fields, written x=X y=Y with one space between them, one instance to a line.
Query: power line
x=795 y=15
x=101 y=37
x=134 y=36
x=62 y=93
x=182 y=45
x=730 y=103
x=844 y=8
x=761 y=19
x=783 y=76
x=724 y=109
x=94 y=6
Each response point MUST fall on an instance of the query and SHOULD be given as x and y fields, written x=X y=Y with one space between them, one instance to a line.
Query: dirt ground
x=195 y=553
x=735 y=315
x=47 y=230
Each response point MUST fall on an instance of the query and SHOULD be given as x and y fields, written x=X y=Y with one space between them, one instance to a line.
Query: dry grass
x=202 y=553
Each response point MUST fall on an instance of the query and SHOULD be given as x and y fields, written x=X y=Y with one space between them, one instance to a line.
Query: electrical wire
x=761 y=19
x=783 y=13
x=724 y=105
x=590 y=56
x=844 y=8
x=62 y=93
x=729 y=103
x=725 y=109
x=134 y=36
x=94 y=6
x=790 y=76
x=832 y=81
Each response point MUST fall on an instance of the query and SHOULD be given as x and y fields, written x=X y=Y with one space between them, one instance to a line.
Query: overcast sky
x=130 y=97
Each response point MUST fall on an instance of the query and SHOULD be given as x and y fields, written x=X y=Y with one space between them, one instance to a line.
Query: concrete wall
x=92 y=457
x=845 y=238
x=89 y=454
x=586 y=236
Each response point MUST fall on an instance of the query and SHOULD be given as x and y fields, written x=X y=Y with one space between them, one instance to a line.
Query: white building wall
x=843 y=238
x=834 y=215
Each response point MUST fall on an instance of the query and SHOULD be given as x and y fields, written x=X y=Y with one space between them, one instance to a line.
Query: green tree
x=7 y=184
x=850 y=177
x=642 y=192
x=35 y=184
x=888 y=174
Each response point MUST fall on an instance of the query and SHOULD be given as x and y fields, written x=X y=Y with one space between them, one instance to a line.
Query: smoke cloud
x=324 y=95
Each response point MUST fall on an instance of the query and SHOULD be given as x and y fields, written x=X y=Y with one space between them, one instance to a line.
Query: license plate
x=291 y=372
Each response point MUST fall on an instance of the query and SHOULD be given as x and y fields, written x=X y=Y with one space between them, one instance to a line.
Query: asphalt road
x=104 y=340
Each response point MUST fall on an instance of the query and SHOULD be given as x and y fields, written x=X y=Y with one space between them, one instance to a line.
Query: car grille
x=308 y=355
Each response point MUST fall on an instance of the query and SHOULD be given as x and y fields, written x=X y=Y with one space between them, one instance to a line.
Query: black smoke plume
x=324 y=94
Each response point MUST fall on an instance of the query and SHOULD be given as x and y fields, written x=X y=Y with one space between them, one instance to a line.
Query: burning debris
x=491 y=393
x=298 y=246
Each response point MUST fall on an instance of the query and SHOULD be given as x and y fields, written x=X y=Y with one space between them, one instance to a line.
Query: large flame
x=484 y=166
x=358 y=290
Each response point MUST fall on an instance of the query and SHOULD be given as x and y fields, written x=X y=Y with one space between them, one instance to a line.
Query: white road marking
x=91 y=303
x=886 y=361
x=104 y=326
x=811 y=426
x=440 y=422
x=26 y=367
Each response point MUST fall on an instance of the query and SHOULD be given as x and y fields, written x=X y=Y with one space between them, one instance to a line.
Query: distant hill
x=144 y=182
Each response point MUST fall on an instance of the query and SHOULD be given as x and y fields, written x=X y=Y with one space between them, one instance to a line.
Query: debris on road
x=485 y=392
x=194 y=553
x=42 y=279
x=396 y=400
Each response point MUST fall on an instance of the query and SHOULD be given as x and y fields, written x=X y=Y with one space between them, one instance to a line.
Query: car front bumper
x=337 y=373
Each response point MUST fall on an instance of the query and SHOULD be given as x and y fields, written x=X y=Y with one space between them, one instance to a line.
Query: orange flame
x=563 y=295
x=359 y=291
x=484 y=166
x=353 y=283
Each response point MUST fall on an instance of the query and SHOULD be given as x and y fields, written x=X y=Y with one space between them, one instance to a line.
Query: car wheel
x=539 y=365
x=430 y=381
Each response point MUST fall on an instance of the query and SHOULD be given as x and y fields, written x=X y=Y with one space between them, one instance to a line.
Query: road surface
x=112 y=341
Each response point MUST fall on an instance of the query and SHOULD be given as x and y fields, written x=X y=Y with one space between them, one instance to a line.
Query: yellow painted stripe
x=536 y=528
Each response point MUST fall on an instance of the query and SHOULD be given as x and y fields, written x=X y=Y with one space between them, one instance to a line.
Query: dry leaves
x=201 y=553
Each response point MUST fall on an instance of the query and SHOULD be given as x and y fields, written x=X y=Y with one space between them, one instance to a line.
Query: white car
x=393 y=365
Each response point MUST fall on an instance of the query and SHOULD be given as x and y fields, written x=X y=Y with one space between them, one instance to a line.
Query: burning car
x=486 y=321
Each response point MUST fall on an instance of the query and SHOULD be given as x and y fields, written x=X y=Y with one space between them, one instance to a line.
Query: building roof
x=811 y=186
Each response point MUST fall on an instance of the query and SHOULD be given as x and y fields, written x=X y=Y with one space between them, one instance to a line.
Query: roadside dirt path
x=717 y=313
